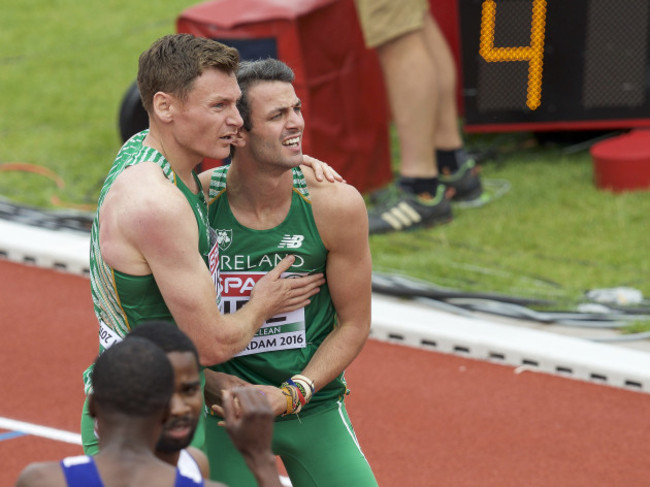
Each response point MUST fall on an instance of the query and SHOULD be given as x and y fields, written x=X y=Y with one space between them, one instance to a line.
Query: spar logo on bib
x=235 y=289
x=239 y=283
x=284 y=331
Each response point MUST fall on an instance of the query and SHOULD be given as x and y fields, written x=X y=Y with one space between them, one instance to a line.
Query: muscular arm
x=321 y=170
x=155 y=231
x=349 y=270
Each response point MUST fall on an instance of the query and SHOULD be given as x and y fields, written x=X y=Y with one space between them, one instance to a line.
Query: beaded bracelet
x=305 y=384
x=298 y=391
x=294 y=405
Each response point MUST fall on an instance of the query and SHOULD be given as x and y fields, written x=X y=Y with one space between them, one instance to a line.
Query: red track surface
x=423 y=418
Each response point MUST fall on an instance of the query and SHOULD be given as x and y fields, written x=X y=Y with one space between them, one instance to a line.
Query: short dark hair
x=174 y=61
x=166 y=335
x=252 y=72
x=133 y=377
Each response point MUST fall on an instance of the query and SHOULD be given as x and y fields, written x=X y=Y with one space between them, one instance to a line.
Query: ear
x=92 y=407
x=162 y=106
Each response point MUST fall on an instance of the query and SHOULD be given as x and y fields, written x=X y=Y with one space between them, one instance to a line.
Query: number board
x=554 y=64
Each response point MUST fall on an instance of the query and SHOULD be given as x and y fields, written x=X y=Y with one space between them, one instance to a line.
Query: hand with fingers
x=277 y=294
x=249 y=423
x=215 y=384
x=276 y=399
x=322 y=170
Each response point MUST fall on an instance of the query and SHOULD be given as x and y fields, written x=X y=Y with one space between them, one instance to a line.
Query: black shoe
x=407 y=211
x=465 y=181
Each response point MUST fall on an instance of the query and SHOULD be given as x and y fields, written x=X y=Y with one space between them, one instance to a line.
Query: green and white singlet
x=318 y=447
x=122 y=301
x=285 y=344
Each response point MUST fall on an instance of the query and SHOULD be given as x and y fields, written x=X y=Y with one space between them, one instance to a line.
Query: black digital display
x=554 y=64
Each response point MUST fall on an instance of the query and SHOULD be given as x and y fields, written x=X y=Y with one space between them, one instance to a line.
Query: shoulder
x=143 y=194
x=334 y=204
x=199 y=458
x=142 y=176
x=334 y=198
x=214 y=180
x=41 y=474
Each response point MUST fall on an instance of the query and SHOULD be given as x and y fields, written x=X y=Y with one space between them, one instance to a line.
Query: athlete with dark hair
x=133 y=382
x=186 y=405
x=150 y=240
x=262 y=207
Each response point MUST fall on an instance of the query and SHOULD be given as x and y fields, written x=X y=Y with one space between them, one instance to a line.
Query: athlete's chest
x=245 y=249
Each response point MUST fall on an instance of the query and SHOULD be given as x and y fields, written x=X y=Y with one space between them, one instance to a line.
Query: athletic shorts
x=90 y=442
x=318 y=450
x=385 y=20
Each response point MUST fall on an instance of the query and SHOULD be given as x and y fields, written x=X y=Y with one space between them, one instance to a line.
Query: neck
x=181 y=163
x=129 y=436
x=259 y=197
x=259 y=182
x=168 y=457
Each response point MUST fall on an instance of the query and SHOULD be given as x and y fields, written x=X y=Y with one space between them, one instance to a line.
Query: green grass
x=65 y=65
x=553 y=236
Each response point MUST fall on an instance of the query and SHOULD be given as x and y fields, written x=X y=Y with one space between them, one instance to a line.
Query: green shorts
x=385 y=20
x=318 y=450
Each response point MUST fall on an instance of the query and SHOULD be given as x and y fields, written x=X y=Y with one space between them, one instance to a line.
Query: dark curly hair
x=133 y=377
x=167 y=336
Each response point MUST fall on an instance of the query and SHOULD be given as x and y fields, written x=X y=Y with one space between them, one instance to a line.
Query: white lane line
x=65 y=436
x=42 y=431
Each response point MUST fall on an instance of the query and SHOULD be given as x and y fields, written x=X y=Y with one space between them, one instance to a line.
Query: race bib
x=282 y=332
x=107 y=336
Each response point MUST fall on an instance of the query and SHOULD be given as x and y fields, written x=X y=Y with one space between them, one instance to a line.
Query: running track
x=423 y=418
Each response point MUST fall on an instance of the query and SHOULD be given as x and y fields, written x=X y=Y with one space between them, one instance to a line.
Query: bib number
x=284 y=331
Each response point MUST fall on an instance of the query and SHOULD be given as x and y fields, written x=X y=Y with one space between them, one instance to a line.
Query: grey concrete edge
x=404 y=322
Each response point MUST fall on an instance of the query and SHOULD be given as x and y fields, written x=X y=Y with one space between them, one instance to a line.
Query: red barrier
x=338 y=80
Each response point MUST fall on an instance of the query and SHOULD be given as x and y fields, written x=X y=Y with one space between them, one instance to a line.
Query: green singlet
x=122 y=301
x=318 y=446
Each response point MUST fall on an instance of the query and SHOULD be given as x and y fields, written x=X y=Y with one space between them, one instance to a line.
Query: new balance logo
x=291 y=242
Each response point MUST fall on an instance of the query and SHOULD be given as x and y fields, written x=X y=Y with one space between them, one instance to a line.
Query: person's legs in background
x=455 y=167
x=420 y=79
x=413 y=96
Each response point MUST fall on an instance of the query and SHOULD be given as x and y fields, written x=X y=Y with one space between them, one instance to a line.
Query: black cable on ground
x=403 y=292
x=52 y=220
x=511 y=306
x=396 y=286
